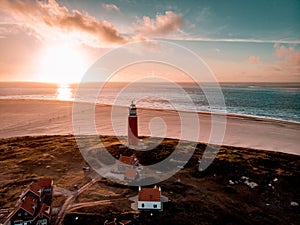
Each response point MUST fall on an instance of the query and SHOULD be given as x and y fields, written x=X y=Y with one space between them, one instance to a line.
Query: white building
x=149 y=199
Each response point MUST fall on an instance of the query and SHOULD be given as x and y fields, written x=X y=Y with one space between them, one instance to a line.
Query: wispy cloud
x=271 y=41
x=168 y=23
x=52 y=21
x=254 y=59
x=110 y=7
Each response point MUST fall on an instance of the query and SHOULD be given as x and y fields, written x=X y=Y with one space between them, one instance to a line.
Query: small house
x=130 y=174
x=149 y=199
x=34 y=205
x=127 y=162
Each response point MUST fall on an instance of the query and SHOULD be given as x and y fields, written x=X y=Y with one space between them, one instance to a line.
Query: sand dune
x=38 y=117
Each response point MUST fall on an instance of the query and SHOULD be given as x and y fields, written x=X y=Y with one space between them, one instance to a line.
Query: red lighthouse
x=132 y=126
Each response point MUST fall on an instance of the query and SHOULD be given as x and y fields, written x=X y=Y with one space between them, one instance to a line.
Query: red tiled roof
x=44 y=183
x=37 y=186
x=149 y=194
x=36 y=189
x=130 y=160
x=29 y=204
x=26 y=204
x=45 y=210
x=130 y=173
x=10 y=215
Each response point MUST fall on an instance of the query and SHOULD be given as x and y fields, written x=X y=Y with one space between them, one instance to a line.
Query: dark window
x=155 y=206
x=143 y=205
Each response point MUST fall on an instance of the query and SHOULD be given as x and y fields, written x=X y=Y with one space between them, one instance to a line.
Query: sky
x=240 y=41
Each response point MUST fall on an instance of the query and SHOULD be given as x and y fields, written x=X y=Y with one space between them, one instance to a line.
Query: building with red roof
x=130 y=174
x=128 y=166
x=150 y=199
x=127 y=162
x=34 y=205
x=42 y=189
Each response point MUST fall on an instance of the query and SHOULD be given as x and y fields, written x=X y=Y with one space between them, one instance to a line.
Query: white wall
x=149 y=205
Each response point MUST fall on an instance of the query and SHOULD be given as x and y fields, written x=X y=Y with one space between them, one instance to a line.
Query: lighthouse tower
x=132 y=126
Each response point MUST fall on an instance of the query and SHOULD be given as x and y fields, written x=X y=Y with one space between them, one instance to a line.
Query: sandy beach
x=40 y=117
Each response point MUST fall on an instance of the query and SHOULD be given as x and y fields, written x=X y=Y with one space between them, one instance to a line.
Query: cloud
x=161 y=25
x=234 y=40
x=49 y=20
x=254 y=59
x=288 y=63
x=290 y=55
x=110 y=7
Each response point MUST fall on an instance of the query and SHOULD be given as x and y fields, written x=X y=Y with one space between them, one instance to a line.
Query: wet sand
x=40 y=117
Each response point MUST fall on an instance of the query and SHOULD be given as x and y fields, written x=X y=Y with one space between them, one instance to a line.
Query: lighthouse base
x=132 y=131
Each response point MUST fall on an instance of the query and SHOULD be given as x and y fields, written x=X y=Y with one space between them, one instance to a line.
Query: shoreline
x=54 y=117
x=258 y=118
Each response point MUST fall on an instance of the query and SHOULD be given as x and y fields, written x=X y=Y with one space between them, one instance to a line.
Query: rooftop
x=149 y=194
x=130 y=173
x=130 y=160
x=29 y=204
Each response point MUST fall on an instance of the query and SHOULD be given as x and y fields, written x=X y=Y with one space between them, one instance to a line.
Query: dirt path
x=89 y=204
x=69 y=201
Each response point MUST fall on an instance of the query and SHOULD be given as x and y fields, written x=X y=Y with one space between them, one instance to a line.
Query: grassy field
x=221 y=194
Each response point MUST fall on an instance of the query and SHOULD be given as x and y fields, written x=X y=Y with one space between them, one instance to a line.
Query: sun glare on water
x=64 y=92
x=62 y=64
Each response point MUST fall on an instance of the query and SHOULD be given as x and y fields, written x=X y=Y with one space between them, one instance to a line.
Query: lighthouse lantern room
x=132 y=126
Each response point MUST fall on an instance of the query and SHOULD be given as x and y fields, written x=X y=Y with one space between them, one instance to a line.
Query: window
x=19 y=214
x=42 y=222
x=154 y=206
x=143 y=205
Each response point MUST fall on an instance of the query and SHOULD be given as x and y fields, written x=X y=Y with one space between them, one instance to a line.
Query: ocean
x=275 y=101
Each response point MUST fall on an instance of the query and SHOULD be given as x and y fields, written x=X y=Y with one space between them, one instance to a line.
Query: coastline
x=54 y=117
x=228 y=114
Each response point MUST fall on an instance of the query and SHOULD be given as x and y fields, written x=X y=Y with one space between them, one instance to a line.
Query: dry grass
x=196 y=197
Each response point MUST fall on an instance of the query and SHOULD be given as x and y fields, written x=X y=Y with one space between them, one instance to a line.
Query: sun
x=62 y=64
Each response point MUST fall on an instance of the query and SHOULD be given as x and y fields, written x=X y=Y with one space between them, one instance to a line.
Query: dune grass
x=219 y=194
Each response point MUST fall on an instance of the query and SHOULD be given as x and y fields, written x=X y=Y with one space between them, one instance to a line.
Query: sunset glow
x=62 y=64
x=149 y=112
x=57 y=41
